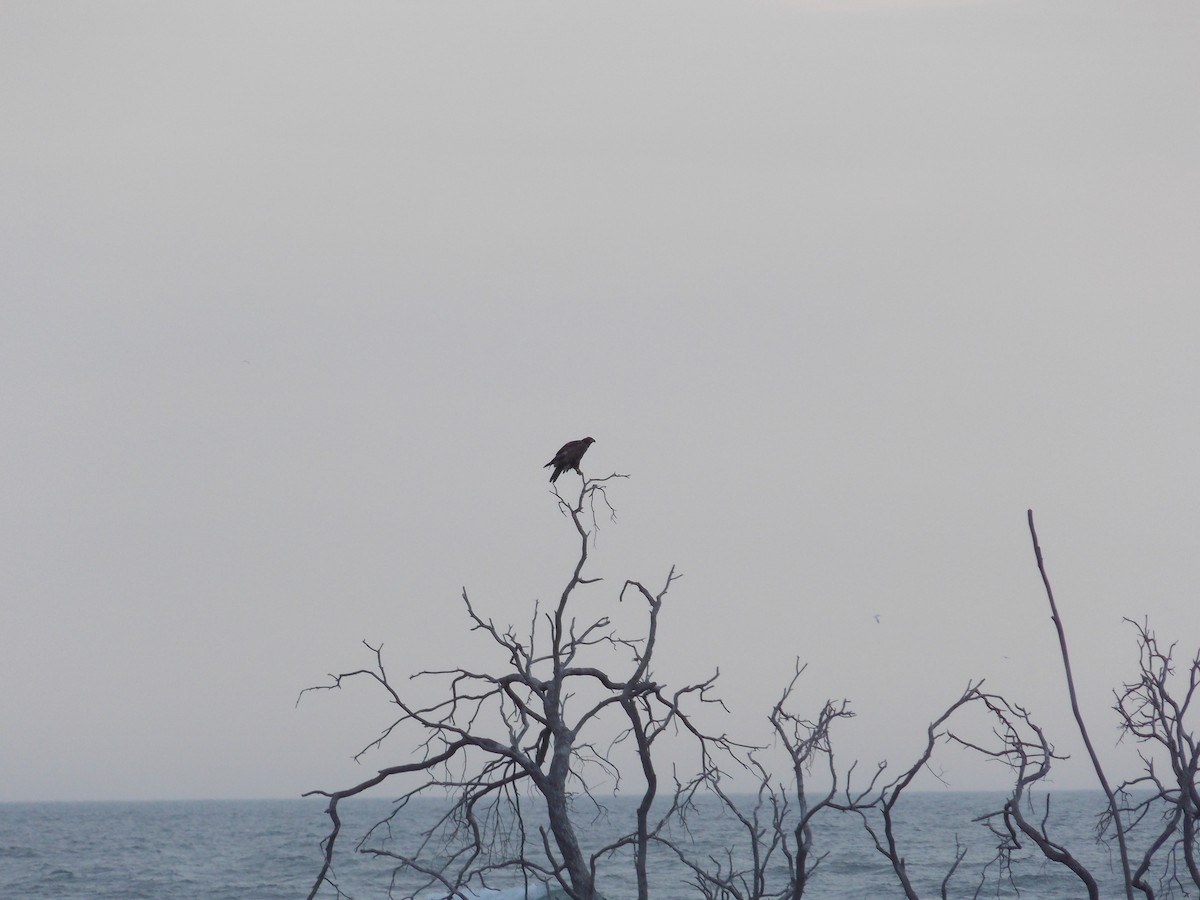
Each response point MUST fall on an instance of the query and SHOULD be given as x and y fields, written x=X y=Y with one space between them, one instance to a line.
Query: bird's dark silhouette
x=568 y=457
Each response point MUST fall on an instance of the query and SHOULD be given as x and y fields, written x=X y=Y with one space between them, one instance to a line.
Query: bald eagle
x=568 y=457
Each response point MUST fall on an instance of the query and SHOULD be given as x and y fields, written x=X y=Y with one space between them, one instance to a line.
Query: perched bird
x=568 y=457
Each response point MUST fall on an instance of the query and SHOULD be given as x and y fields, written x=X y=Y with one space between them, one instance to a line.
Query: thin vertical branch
x=1087 y=741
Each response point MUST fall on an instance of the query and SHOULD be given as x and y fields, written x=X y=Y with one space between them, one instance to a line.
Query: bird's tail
x=555 y=474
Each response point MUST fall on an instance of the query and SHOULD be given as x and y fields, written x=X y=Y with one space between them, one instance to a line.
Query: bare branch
x=1087 y=742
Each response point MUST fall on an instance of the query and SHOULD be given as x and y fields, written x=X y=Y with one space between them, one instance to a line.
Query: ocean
x=269 y=850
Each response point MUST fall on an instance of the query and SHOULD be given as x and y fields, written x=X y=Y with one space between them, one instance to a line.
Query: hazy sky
x=298 y=297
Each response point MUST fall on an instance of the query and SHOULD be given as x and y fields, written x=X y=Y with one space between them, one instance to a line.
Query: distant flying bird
x=568 y=457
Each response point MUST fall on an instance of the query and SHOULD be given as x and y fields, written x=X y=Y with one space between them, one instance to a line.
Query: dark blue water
x=268 y=850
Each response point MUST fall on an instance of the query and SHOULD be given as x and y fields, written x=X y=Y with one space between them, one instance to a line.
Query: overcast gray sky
x=298 y=297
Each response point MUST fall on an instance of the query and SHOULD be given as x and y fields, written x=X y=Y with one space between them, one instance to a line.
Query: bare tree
x=1154 y=713
x=1151 y=713
x=877 y=809
x=516 y=747
x=777 y=821
x=741 y=872
x=493 y=741
x=1025 y=749
x=806 y=741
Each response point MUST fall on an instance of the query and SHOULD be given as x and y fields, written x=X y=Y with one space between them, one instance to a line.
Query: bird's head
x=589 y=441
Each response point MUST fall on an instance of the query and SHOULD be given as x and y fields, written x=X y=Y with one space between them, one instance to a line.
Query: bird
x=568 y=457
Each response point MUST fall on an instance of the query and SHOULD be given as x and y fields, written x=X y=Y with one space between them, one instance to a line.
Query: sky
x=297 y=298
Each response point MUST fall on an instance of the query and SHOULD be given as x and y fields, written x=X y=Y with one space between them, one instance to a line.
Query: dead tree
x=741 y=873
x=516 y=745
x=778 y=821
x=1024 y=748
x=493 y=741
x=1153 y=712
x=805 y=742
x=650 y=716
x=877 y=808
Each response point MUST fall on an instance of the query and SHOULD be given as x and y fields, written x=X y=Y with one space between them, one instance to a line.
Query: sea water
x=270 y=850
